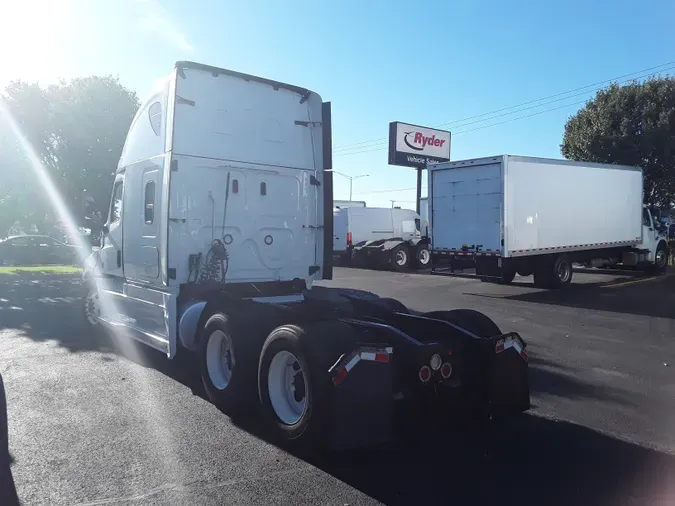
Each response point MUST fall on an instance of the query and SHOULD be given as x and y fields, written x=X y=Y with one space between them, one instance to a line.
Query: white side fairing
x=247 y=169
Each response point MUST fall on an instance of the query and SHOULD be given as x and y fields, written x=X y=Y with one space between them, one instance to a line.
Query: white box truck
x=380 y=237
x=219 y=225
x=524 y=215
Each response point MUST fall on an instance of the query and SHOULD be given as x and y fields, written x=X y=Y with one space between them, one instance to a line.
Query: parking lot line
x=633 y=281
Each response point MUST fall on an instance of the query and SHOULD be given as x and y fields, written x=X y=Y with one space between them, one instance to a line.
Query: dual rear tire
x=404 y=257
x=283 y=374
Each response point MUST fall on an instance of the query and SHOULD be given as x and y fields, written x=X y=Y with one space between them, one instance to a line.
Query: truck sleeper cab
x=220 y=223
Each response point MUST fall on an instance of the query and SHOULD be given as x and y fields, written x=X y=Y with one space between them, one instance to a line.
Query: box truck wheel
x=400 y=257
x=294 y=384
x=508 y=275
x=553 y=272
x=661 y=257
x=228 y=359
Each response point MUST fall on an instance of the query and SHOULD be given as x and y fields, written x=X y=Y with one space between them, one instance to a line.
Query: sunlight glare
x=150 y=406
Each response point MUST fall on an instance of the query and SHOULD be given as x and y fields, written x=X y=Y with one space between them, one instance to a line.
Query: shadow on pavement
x=633 y=295
x=7 y=488
x=46 y=308
x=556 y=380
x=535 y=462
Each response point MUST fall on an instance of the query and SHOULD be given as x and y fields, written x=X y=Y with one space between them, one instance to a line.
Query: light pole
x=351 y=180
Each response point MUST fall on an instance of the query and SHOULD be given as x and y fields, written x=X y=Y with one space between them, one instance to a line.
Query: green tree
x=77 y=130
x=630 y=125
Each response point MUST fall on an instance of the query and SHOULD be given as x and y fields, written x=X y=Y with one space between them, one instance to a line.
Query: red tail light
x=446 y=370
x=349 y=238
x=425 y=373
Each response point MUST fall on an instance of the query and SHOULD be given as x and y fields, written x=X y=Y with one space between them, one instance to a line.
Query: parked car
x=36 y=250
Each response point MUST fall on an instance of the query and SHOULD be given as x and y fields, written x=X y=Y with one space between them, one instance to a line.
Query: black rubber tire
x=239 y=394
x=508 y=275
x=666 y=254
x=525 y=271
x=94 y=330
x=393 y=254
x=558 y=263
x=316 y=346
x=474 y=321
x=419 y=251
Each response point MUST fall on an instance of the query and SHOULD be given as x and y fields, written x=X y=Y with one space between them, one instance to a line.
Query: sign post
x=417 y=146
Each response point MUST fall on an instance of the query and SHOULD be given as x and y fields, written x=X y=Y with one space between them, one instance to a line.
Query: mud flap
x=508 y=380
x=362 y=409
x=370 y=257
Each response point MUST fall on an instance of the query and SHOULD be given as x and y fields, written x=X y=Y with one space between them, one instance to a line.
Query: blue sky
x=424 y=62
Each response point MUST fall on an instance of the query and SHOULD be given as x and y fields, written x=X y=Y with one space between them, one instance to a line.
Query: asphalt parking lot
x=90 y=425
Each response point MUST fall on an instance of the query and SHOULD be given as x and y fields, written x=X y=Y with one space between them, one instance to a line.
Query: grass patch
x=39 y=269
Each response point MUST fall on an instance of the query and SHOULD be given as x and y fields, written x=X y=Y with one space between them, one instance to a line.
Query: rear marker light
x=347 y=362
x=349 y=238
x=337 y=379
x=425 y=373
x=446 y=370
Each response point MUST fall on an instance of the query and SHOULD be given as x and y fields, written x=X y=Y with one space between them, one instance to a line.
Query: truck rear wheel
x=422 y=256
x=228 y=361
x=293 y=380
x=400 y=258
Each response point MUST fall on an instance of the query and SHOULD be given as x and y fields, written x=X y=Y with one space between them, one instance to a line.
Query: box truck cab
x=525 y=215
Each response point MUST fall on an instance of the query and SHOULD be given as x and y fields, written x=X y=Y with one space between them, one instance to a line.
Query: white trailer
x=390 y=237
x=218 y=227
x=525 y=215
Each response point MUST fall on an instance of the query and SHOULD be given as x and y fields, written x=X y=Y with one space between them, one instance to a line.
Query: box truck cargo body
x=526 y=215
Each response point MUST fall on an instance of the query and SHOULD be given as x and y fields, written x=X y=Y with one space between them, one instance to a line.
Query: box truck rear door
x=467 y=207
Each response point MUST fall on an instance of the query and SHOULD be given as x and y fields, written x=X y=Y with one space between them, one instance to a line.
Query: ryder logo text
x=418 y=141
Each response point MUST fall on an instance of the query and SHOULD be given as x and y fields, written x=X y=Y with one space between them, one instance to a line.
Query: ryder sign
x=416 y=146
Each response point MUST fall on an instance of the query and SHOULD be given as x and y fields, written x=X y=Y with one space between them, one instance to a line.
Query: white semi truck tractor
x=219 y=225
x=536 y=216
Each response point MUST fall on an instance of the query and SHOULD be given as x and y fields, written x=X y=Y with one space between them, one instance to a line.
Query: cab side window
x=646 y=219
x=115 y=213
